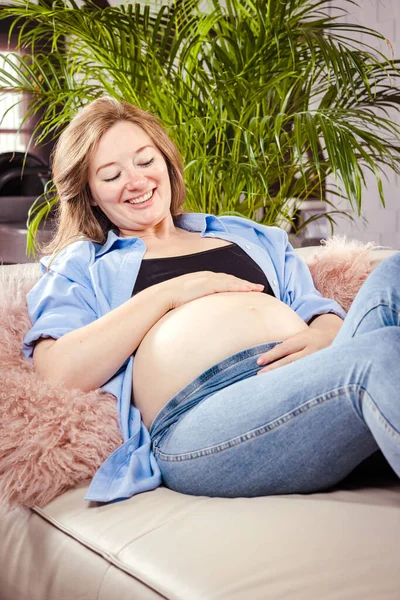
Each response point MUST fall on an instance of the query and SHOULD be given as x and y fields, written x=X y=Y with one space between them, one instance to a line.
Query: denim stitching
x=255 y=432
x=388 y=427
x=389 y=306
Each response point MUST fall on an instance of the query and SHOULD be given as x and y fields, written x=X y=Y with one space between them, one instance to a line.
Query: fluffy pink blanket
x=339 y=268
x=52 y=438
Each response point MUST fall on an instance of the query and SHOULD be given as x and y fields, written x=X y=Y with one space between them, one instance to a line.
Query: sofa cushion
x=337 y=545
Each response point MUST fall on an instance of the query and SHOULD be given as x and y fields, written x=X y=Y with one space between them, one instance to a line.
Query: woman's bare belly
x=192 y=338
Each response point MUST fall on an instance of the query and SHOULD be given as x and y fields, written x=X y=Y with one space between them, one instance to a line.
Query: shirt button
x=131 y=448
x=248 y=247
x=274 y=282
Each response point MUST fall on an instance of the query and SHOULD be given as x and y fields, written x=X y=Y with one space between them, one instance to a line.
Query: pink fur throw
x=52 y=438
x=339 y=268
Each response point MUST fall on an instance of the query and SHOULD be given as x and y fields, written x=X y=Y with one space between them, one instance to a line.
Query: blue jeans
x=300 y=428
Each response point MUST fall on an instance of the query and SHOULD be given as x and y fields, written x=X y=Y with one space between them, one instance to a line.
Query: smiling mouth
x=141 y=199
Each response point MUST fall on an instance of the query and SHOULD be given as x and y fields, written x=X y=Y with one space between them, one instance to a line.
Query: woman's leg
x=377 y=303
x=300 y=428
x=304 y=426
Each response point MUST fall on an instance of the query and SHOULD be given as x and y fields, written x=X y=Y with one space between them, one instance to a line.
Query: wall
x=382 y=224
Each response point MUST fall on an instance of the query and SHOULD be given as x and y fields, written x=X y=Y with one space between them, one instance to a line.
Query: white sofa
x=343 y=544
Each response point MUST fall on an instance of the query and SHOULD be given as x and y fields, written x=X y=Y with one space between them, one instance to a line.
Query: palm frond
x=271 y=102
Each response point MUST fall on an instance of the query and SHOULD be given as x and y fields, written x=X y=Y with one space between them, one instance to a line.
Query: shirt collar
x=114 y=239
x=202 y=222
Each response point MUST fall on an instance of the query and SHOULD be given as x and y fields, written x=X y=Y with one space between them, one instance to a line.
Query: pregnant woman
x=233 y=375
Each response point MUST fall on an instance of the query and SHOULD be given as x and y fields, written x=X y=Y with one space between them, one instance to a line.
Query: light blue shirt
x=87 y=280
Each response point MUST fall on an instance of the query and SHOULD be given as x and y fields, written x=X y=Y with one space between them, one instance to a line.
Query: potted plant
x=271 y=102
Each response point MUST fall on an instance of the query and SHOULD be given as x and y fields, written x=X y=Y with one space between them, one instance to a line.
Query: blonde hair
x=76 y=217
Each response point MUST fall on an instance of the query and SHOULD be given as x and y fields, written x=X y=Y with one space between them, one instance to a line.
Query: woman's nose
x=136 y=179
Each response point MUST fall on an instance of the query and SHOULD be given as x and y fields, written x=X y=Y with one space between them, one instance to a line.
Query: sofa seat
x=340 y=544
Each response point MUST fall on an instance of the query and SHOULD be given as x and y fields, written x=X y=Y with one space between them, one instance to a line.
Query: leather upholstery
x=343 y=544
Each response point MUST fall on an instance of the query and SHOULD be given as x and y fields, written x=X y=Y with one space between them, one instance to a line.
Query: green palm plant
x=271 y=102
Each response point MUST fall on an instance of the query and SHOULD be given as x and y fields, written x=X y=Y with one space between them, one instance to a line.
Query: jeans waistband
x=239 y=366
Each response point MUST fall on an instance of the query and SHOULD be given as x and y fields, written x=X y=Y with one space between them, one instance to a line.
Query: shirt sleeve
x=299 y=291
x=61 y=301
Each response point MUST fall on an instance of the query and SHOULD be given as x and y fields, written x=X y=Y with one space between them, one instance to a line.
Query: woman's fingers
x=289 y=346
x=291 y=349
x=294 y=347
x=283 y=361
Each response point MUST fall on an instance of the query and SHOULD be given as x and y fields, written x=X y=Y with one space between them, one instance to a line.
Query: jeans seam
x=383 y=421
x=388 y=305
x=262 y=430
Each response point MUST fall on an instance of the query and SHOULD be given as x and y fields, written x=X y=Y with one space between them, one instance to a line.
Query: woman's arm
x=328 y=323
x=87 y=357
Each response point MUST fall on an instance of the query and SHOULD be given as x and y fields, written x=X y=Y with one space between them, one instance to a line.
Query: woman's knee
x=389 y=268
x=382 y=348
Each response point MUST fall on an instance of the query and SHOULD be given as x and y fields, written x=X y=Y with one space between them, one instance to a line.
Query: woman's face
x=129 y=181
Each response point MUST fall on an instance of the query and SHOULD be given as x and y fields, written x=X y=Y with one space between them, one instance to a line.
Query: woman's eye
x=146 y=164
x=113 y=178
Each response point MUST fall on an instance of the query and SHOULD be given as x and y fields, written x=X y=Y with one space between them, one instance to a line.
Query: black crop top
x=226 y=259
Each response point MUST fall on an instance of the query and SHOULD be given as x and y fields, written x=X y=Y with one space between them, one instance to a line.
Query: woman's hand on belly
x=316 y=337
x=191 y=286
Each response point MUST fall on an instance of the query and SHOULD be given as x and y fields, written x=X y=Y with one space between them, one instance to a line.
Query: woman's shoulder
x=271 y=233
x=234 y=223
x=72 y=260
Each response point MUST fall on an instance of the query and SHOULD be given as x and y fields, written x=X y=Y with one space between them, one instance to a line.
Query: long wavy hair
x=76 y=217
